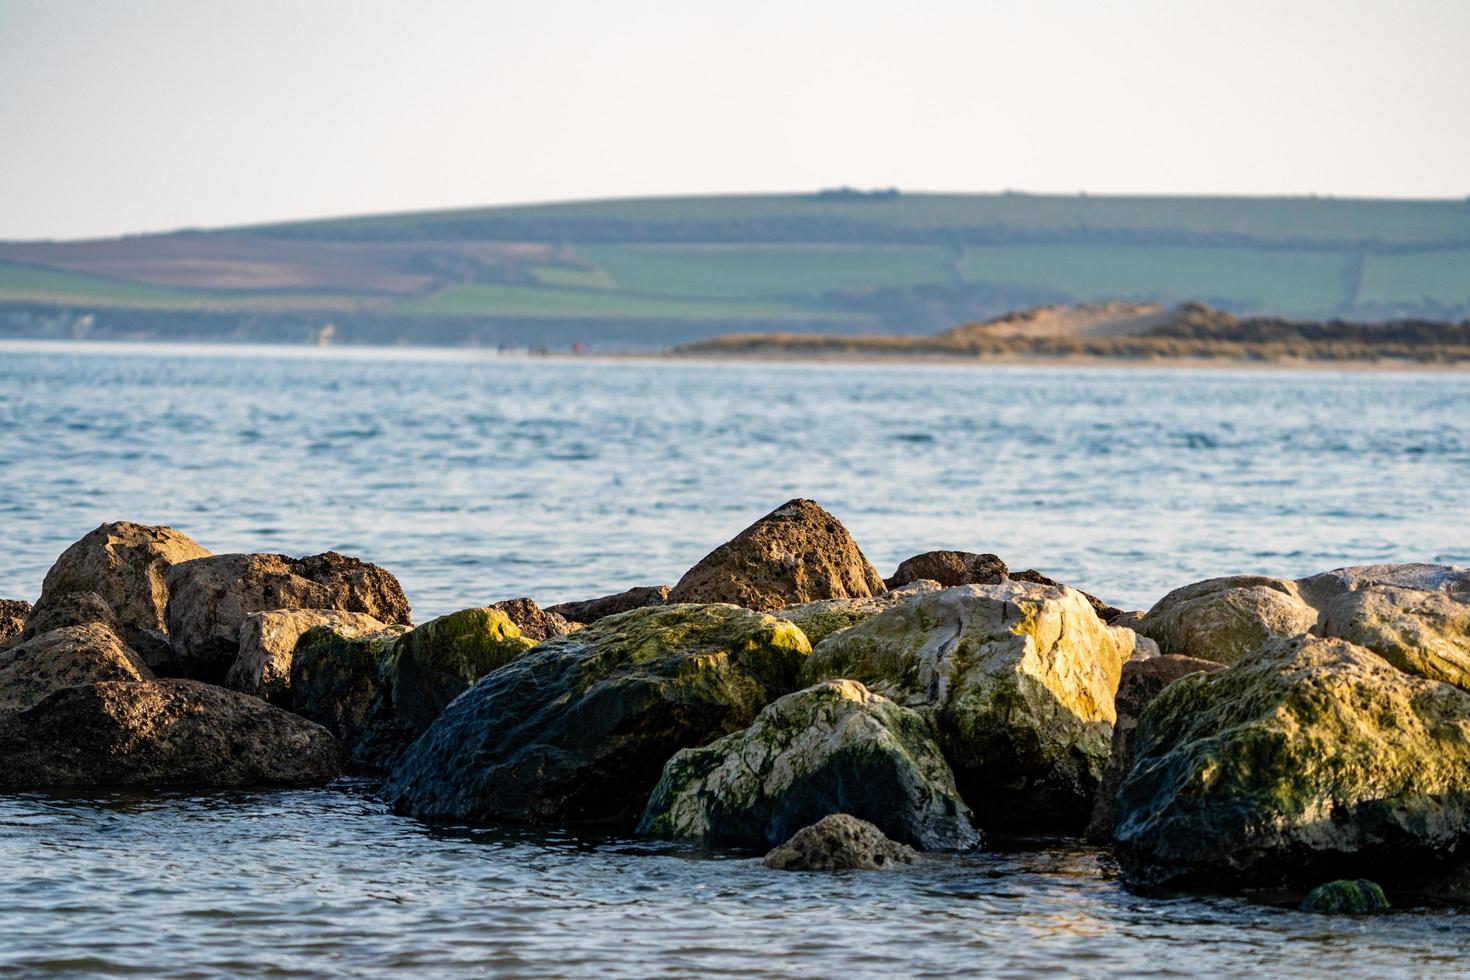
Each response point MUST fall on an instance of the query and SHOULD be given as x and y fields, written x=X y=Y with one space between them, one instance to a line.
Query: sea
x=477 y=476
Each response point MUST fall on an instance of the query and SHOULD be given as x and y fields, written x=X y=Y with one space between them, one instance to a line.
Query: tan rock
x=66 y=657
x=268 y=639
x=1422 y=633
x=533 y=621
x=840 y=842
x=1223 y=619
x=13 y=614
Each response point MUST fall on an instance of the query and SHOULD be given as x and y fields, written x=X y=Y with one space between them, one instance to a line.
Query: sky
x=122 y=116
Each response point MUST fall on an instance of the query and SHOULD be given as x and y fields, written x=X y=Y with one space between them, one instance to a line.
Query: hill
x=651 y=272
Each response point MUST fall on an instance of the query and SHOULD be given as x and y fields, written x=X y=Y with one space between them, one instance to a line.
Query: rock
x=578 y=729
x=832 y=748
x=839 y=843
x=210 y=598
x=1142 y=680
x=1423 y=633
x=797 y=553
x=268 y=639
x=338 y=681
x=1130 y=620
x=1344 y=897
x=820 y=619
x=1017 y=682
x=433 y=664
x=71 y=609
x=1104 y=612
x=127 y=565
x=1321 y=589
x=1305 y=758
x=1223 y=619
x=161 y=733
x=591 y=610
x=533 y=621
x=950 y=568
x=13 y=614
x=65 y=657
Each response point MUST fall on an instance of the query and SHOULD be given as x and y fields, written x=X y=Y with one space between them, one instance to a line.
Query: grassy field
x=28 y=284
x=1442 y=276
x=483 y=299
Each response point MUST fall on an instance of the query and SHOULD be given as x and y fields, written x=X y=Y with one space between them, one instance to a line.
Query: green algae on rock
x=1223 y=619
x=337 y=680
x=832 y=748
x=1346 y=897
x=1307 y=758
x=1017 y=682
x=820 y=619
x=268 y=642
x=433 y=663
x=579 y=728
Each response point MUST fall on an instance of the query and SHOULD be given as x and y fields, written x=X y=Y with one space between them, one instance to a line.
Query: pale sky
x=120 y=116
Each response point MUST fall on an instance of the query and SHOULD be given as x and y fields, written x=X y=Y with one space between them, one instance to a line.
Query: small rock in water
x=1346 y=897
x=839 y=842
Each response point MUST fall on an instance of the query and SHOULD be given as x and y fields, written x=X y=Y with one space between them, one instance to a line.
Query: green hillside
x=625 y=272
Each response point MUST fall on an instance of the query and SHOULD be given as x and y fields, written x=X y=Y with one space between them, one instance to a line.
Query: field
x=841 y=262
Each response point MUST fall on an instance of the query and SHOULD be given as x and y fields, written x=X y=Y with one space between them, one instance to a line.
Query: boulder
x=209 y=599
x=1104 y=612
x=797 y=553
x=1307 y=759
x=338 y=680
x=126 y=564
x=1223 y=619
x=839 y=843
x=1142 y=680
x=1321 y=589
x=268 y=639
x=161 y=733
x=579 y=729
x=433 y=664
x=591 y=610
x=71 y=609
x=820 y=619
x=949 y=568
x=65 y=657
x=534 y=622
x=1017 y=682
x=13 y=614
x=1425 y=633
x=1346 y=897
x=832 y=748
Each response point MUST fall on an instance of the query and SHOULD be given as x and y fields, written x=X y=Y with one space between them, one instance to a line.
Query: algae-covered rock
x=797 y=553
x=161 y=733
x=1307 y=758
x=1346 y=897
x=1223 y=619
x=126 y=564
x=1017 y=682
x=820 y=619
x=13 y=614
x=1423 y=633
x=579 y=728
x=949 y=568
x=65 y=657
x=840 y=842
x=832 y=748
x=591 y=610
x=436 y=662
x=339 y=680
x=268 y=641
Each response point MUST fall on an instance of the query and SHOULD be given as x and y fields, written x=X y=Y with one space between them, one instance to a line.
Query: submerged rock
x=950 y=568
x=534 y=622
x=832 y=748
x=209 y=599
x=579 y=728
x=1305 y=758
x=839 y=842
x=1345 y=897
x=161 y=733
x=797 y=553
x=591 y=610
x=1142 y=680
x=126 y=564
x=820 y=619
x=1016 y=680
x=13 y=614
x=268 y=641
x=338 y=681
x=41 y=665
x=1224 y=619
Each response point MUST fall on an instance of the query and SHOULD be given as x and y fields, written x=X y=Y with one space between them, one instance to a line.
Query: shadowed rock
x=268 y=641
x=36 y=667
x=591 y=610
x=72 y=609
x=1344 y=897
x=839 y=842
x=338 y=681
x=797 y=553
x=949 y=568
x=13 y=614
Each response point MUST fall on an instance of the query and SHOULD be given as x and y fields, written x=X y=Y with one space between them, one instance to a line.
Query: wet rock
x=268 y=640
x=1423 y=633
x=591 y=610
x=832 y=748
x=1223 y=619
x=820 y=619
x=211 y=597
x=71 y=609
x=579 y=728
x=338 y=680
x=161 y=733
x=1302 y=760
x=1346 y=897
x=797 y=553
x=433 y=664
x=1141 y=682
x=1104 y=612
x=533 y=621
x=13 y=614
x=126 y=564
x=950 y=568
x=65 y=657
x=1017 y=682
x=839 y=843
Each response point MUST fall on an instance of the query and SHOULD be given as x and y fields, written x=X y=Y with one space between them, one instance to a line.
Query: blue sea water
x=476 y=477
